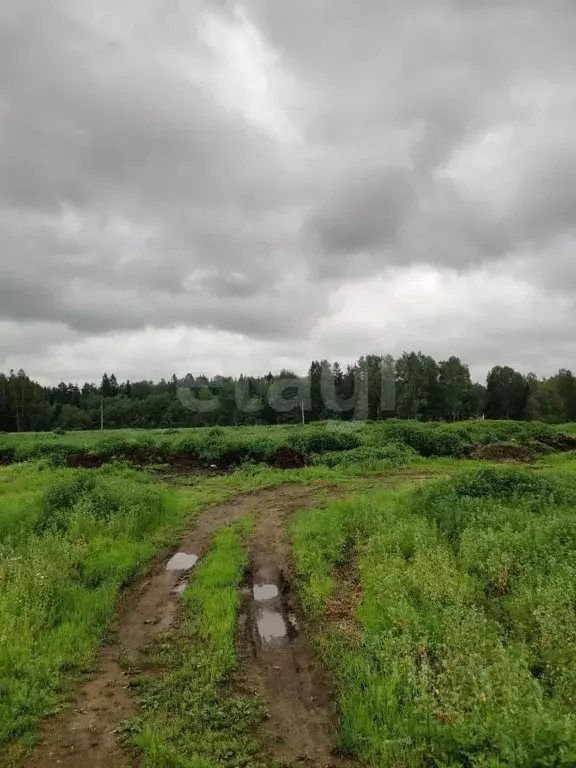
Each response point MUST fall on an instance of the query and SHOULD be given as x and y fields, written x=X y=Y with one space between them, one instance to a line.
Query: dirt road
x=276 y=659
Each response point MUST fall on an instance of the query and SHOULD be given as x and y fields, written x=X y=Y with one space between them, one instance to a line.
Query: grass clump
x=467 y=615
x=69 y=539
x=190 y=717
x=369 y=458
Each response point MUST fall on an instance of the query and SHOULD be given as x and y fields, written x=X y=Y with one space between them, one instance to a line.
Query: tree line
x=413 y=386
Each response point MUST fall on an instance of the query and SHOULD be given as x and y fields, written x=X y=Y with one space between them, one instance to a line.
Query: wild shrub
x=489 y=496
x=425 y=439
x=55 y=451
x=112 y=445
x=368 y=458
x=211 y=444
x=322 y=440
x=61 y=497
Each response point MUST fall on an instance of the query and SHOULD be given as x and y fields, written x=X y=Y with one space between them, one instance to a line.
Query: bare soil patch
x=340 y=608
x=532 y=450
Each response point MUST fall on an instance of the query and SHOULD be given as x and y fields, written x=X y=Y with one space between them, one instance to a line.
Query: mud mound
x=558 y=442
x=509 y=451
x=287 y=458
x=140 y=456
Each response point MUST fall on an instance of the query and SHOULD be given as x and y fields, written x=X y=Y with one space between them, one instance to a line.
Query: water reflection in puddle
x=271 y=626
x=182 y=561
x=179 y=589
x=265 y=592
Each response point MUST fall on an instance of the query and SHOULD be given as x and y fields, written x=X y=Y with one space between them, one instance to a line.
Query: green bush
x=425 y=439
x=308 y=441
x=369 y=458
x=61 y=497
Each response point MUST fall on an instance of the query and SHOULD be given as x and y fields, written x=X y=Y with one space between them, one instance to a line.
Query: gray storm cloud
x=233 y=166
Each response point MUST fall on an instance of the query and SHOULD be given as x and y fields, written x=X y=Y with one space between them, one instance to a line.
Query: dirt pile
x=509 y=451
x=525 y=451
x=558 y=442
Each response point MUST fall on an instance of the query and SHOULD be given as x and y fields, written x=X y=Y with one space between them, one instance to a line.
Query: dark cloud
x=365 y=212
x=230 y=167
x=422 y=82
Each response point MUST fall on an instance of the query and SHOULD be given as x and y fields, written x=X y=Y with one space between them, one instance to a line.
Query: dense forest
x=375 y=387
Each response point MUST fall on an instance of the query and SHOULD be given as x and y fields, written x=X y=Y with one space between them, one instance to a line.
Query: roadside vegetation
x=69 y=540
x=463 y=651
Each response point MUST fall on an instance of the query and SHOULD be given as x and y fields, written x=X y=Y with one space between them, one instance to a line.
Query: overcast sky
x=216 y=187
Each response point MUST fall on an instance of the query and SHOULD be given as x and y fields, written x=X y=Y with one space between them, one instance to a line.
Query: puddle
x=179 y=589
x=182 y=561
x=265 y=592
x=271 y=626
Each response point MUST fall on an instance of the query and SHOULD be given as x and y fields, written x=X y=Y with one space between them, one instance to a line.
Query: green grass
x=369 y=458
x=68 y=541
x=190 y=717
x=467 y=619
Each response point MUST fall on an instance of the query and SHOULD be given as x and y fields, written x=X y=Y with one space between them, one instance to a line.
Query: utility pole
x=101 y=413
x=302 y=407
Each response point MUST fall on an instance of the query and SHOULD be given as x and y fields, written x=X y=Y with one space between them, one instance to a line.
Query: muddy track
x=283 y=673
x=277 y=661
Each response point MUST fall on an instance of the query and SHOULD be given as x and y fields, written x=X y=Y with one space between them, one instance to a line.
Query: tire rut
x=277 y=661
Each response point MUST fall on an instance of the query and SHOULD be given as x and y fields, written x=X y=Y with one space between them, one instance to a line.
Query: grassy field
x=465 y=645
x=444 y=609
